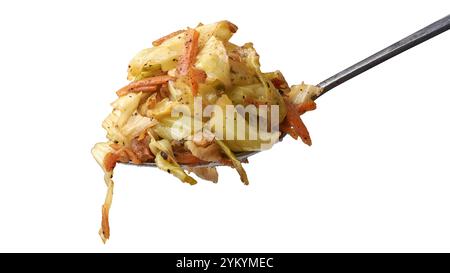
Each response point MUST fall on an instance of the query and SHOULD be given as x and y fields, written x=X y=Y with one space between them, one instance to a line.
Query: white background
x=375 y=179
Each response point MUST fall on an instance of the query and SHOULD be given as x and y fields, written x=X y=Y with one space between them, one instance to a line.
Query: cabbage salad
x=195 y=98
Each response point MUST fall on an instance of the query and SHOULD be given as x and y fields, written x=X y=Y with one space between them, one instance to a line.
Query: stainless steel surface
x=410 y=41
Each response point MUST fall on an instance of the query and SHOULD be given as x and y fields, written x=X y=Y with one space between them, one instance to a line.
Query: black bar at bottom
x=217 y=262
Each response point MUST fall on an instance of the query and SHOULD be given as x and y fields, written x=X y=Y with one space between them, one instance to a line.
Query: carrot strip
x=186 y=63
x=187 y=158
x=123 y=158
x=293 y=117
x=279 y=83
x=293 y=126
x=196 y=76
x=134 y=158
x=286 y=128
x=144 y=85
x=149 y=89
x=167 y=37
x=110 y=161
x=190 y=52
x=105 y=222
x=306 y=106
x=156 y=80
x=163 y=92
x=199 y=75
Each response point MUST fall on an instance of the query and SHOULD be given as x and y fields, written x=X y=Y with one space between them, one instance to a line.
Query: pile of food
x=188 y=67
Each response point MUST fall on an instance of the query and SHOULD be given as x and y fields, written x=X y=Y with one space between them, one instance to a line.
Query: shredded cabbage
x=236 y=163
x=213 y=59
x=174 y=169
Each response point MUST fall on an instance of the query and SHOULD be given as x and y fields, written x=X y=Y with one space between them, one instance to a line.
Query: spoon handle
x=412 y=40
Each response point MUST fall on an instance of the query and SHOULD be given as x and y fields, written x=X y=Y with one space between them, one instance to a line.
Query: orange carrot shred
x=163 y=92
x=167 y=37
x=132 y=156
x=110 y=161
x=279 y=83
x=187 y=158
x=190 y=52
x=105 y=222
x=144 y=89
x=293 y=117
x=286 y=128
x=196 y=76
x=144 y=85
x=186 y=63
x=306 y=106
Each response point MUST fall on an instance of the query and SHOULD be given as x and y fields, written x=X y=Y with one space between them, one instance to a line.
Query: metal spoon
x=410 y=41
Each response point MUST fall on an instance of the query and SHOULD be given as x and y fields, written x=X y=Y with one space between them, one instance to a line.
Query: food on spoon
x=187 y=69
